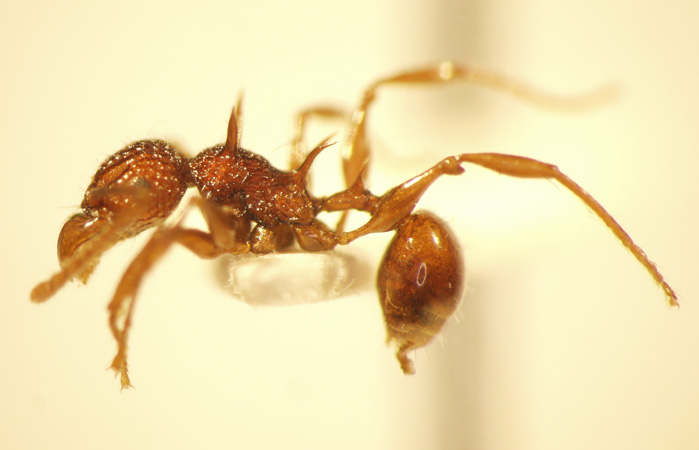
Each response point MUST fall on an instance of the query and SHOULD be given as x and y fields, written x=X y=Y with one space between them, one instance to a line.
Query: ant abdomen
x=420 y=283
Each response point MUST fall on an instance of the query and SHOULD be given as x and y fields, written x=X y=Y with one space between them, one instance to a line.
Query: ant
x=252 y=207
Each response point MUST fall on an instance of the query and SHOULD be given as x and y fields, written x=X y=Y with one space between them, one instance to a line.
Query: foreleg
x=227 y=235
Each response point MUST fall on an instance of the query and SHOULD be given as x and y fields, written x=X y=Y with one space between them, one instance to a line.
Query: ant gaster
x=251 y=207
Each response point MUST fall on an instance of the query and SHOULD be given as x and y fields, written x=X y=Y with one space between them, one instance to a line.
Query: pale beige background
x=563 y=341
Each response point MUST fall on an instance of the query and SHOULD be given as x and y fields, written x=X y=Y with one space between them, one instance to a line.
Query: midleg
x=358 y=153
x=298 y=143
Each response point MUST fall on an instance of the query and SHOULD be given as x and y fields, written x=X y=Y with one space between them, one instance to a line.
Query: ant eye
x=142 y=183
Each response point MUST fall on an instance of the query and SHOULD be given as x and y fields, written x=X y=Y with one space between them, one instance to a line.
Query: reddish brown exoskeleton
x=252 y=207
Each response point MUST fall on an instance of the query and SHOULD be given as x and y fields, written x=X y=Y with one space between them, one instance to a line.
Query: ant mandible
x=251 y=207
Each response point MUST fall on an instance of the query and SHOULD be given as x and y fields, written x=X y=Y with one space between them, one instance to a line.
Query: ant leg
x=269 y=239
x=358 y=154
x=228 y=234
x=518 y=166
x=396 y=204
x=121 y=306
x=298 y=150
